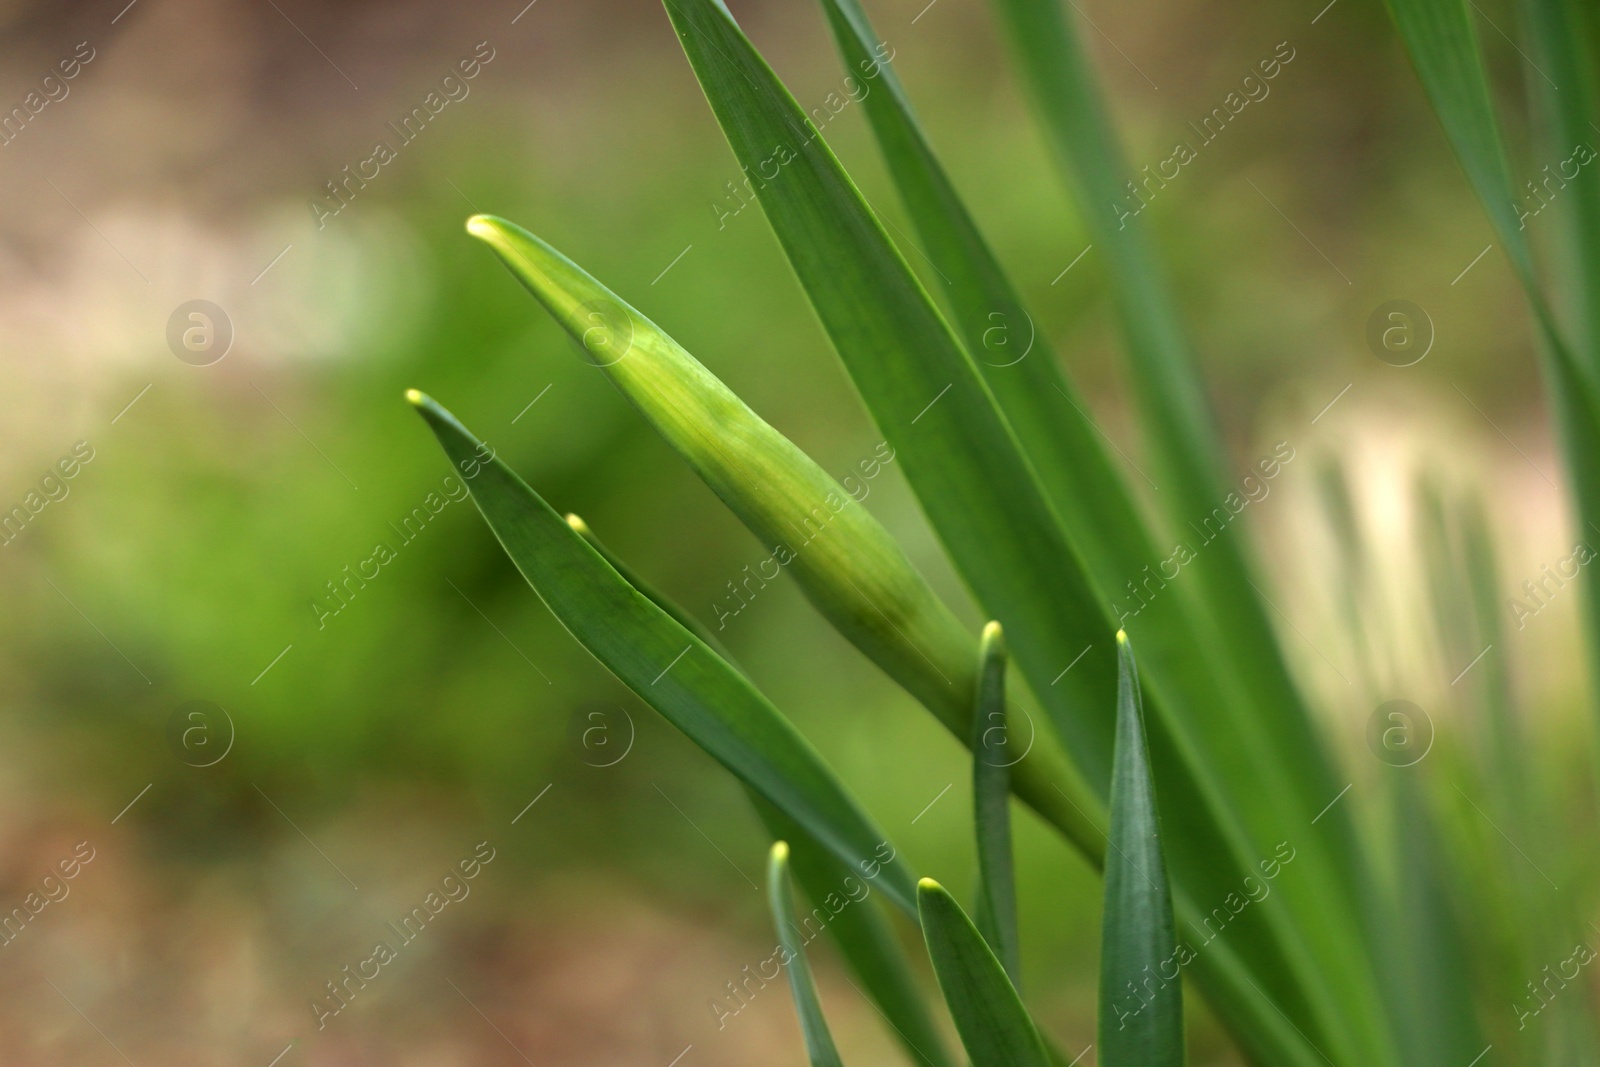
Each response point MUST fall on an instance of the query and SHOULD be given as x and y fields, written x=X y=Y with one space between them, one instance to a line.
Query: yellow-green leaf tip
x=780 y=851
x=577 y=524
x=928 y=885
x=483 y=226
x=415 y=397
x=991 y=631
x=1122 y=637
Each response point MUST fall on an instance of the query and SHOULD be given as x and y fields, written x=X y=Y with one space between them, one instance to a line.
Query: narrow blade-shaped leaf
x=1139 y=955
x=984 y=501
x=1564 y=89
x=666 y=665
x=1049 y=417
x=679 y=615
x=994 y=1025
x=1443 y=46
x=982 y=498
x=841 y=895
x=991 y=799
x=977 y=489
x=841 y=904
x=848 y=565
x=1429 y=953
x=1258 y=729
x=820 y=1049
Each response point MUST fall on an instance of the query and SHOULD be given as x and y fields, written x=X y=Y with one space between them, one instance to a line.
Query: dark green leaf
x=666 y=665
x=840 y=905
x=990 y=1017
x=929 y=401
x=819 y=1042
x=992 y=754
x=848 y=565
x=1141 y=989
x=855 y=920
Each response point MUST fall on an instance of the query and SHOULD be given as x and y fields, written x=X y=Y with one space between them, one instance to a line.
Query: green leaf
x=1045 y=410
x=1141 y=991
x=1444 y=50
x=1272 y=728
x=982 y=498
x=819 y=1042
x=994 y=1025
x=1057 y=75
x=992 y=754
x=847 y=564
x=665 y=664
x=865 y=938
x=856 y=922
x=655 y=596
x=845 y=561
x=1252 y=727
x=1564 y=90
x=1429 y=953
x=1443 y=46
x=958 y=453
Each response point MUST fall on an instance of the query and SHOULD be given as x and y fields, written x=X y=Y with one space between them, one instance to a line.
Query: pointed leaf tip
x=483 y=226
x=993 y=635
x=994 y=1025
x=642 y=644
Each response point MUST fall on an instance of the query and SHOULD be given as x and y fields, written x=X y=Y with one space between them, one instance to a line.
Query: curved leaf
x=865 y=938
x=958 y=452
x=1256 y=729
x=995 y=1027
x=991 y=800
x=982 y=498
x=666 y=665
x=1141 y=991
x=847 y=564
x=819 y=1042
x=857 y=924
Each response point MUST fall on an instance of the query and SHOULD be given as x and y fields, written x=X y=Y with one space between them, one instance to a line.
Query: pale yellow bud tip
x=780 y=851
x=1122 y=637
x=414 y=396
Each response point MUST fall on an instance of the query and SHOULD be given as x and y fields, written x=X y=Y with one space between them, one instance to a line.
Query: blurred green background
x=372 y=752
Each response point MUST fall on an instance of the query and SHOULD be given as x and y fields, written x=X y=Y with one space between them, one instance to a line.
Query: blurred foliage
x=188 y=554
